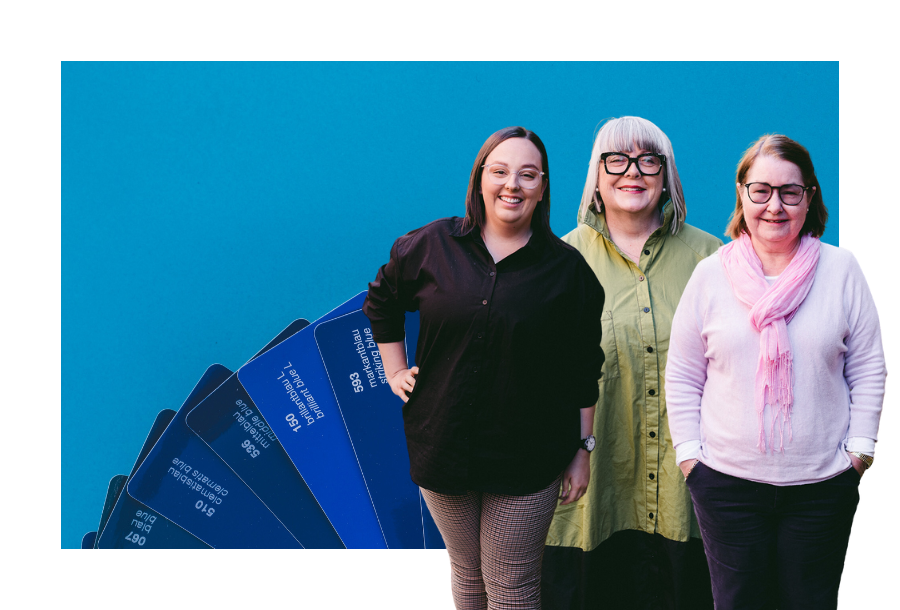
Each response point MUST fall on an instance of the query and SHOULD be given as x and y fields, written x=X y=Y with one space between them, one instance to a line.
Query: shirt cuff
x=861 y=444
x=688 y=450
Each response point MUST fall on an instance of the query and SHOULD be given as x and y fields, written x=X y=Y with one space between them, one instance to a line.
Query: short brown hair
x=786 y=149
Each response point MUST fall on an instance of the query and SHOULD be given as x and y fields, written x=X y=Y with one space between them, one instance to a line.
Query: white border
x=37 y=36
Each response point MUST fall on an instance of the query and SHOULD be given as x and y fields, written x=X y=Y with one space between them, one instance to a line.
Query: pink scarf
x=771 y=310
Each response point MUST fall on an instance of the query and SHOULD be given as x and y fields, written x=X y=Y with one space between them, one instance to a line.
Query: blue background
x=206 y=206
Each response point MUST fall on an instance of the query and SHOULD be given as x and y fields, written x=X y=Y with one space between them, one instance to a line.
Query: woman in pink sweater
x=774 y=388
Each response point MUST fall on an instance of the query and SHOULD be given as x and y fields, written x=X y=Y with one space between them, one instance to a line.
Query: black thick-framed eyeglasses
x=790 y=194
x=617 y=163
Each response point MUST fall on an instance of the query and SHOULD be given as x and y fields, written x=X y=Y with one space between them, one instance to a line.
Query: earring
x=598 y=202
x=664 y=189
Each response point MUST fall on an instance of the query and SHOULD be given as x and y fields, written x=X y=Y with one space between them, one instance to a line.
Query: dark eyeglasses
x=617 y=163
x=790 y=194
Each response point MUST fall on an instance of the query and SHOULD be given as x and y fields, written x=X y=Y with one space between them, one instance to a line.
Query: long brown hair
x=475 y=214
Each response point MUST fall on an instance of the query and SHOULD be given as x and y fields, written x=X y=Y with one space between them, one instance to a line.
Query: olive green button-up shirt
x=635 y=482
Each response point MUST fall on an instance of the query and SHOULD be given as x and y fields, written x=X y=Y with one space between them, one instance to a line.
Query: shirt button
x=651 y=515
x=480 y=335
x=647 y=252
x=651 y=392
x=646 y=310
x=484 y=302
x=652 y=476
x=492 y=274
x=649 y=350
x=641 y=278
x=653 y=435
x=475 y=370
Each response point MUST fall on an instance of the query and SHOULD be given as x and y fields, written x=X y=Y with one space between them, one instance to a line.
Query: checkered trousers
x=496 y=544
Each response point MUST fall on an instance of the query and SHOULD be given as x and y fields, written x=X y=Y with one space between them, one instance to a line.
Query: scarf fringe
x=778 y=390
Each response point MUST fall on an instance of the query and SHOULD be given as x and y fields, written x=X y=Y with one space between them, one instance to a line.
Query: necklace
x=633 y=255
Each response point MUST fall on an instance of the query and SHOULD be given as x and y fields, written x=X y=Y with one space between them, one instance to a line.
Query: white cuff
x=862 y=444
x=688 y=450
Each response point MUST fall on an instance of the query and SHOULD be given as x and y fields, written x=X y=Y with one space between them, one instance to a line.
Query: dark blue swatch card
x=132 y=525
x=433 y=539
x=411 y=328
x=183 y=480
x=160 y=423
x=113 y=491
x=87 y=541
x=230 y=423
x=373 y=417
x=290 y=388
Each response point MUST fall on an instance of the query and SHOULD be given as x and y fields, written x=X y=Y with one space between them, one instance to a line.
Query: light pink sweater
x=839 y=376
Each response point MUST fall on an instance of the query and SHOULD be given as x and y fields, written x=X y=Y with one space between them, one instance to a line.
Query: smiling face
x=509 y=207
x=773 y=226
x=631 y=192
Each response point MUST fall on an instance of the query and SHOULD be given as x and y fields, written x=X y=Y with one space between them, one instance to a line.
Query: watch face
x=589 y=443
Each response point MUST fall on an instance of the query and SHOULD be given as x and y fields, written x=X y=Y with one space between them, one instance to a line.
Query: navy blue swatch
x=373 y=416
x=183 y=480
x=231 y=424
x=113 y=491
x=132 y=525
x=433 y=539
x=162 y=421
x=291 y=389
x=411 y=327
x=87 y=541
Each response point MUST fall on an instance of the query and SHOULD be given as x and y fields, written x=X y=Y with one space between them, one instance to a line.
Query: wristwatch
x=866 y=459
x=588 y=443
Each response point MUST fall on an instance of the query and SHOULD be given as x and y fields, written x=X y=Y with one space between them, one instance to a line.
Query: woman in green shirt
x=632 y=541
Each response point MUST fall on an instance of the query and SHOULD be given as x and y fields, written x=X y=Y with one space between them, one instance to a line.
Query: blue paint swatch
x=290 y=388
x=162 y=421
x=87 y=541
x=113 y=491
x=132 y=525
x=373 y=417
x=183 y=480
x=433 y=539
x=230 y=423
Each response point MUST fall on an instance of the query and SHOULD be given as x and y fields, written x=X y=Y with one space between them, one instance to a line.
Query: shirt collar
x=597 y=220
x=457 y=230
x=535 y=242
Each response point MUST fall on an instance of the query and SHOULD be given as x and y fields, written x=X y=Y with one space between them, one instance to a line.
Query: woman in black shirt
x=508 y=356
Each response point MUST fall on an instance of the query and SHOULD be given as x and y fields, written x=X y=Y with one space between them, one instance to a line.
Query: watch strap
x=866 y=459
x=588 y=443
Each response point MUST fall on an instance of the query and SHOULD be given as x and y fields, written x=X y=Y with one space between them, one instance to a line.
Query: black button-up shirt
x=508 y=353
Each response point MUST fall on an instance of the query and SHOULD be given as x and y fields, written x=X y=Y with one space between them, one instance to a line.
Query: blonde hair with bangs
x=623 y=135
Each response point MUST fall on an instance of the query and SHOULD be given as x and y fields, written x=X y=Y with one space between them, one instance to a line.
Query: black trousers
x=631 y=570
x=774 y=546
